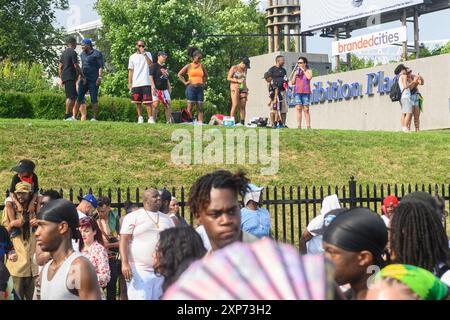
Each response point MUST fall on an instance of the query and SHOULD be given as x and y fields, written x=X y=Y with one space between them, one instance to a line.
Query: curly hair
x=176 y=250
x=417 y=235
x=200 y=193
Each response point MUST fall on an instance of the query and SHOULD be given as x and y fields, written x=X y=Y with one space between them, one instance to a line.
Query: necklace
x=65 y=258
x=155 y=222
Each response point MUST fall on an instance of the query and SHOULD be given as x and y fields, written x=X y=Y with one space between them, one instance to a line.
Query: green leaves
x=169 y=26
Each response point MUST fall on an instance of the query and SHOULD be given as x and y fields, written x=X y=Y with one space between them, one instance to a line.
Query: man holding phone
x=139 y=80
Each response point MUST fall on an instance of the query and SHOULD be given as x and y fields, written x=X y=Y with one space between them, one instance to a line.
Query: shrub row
x=49 y=105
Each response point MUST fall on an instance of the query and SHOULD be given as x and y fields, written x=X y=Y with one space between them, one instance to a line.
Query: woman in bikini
x=239 y=91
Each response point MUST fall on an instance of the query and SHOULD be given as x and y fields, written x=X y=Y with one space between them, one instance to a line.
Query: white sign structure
x=317 y=14
x=375 y=40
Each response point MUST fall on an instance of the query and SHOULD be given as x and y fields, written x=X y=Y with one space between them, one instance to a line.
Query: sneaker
x=405 y=129
x=67 y=116
x=141 y=120
x=71 y=119
x=94 y=120
x=151 y=120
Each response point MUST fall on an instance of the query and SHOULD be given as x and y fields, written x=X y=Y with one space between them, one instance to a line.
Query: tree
x=357 y=63
x=27 y=32
x=169 y=26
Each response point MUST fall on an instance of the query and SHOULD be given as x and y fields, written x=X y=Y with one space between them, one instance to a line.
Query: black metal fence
x=291 y=208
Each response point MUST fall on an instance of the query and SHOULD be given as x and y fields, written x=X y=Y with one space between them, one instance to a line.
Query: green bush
x=15 y=105
x=23 y=77
x=51 y=105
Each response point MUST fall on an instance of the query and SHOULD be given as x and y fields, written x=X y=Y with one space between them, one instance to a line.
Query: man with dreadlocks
x=418 y=238
x=213 y=200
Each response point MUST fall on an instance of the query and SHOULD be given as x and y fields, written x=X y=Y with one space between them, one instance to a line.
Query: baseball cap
x=24 y=165
x=89 y=198
x=23 y=187
x=328 y=219
x=246 y=61
x=87 y=41
x=390 y=201
x=161 y=53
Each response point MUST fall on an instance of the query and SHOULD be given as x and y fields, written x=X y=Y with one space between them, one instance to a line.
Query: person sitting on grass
x=355 y=241
x=25 y=173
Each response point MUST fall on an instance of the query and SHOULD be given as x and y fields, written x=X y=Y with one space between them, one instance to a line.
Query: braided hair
x=200 y=193
x=417 y=235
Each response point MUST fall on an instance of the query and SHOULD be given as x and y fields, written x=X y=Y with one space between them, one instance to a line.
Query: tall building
x=283 y=17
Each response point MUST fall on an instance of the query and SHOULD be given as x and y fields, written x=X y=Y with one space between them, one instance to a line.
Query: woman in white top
x=405 y=87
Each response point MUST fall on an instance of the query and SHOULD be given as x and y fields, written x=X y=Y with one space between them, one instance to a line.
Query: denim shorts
x=302 y=99
x=195 y=94
x=415 y=100
x=90 y=86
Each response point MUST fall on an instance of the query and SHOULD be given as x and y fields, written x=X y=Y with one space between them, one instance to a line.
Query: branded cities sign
x=332 y=91
x=318 y=14
x=375 y=40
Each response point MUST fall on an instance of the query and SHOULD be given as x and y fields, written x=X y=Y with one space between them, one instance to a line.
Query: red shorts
x=141 y=95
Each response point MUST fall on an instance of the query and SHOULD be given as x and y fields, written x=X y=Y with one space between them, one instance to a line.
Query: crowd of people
x=53 y=250
x=149 y=85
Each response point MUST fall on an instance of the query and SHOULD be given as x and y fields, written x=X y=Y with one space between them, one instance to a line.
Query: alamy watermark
x=260 y=147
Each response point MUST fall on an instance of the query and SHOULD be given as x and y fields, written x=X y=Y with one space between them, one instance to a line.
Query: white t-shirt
x=202 y=232
x=145 y=235
x=141 y=69
x=315 y=245
x=386 y=220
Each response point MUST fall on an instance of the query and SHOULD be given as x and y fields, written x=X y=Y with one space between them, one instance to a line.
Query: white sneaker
x=405 y=129
x=151 y=120
x=141 y=120
x=94 y=120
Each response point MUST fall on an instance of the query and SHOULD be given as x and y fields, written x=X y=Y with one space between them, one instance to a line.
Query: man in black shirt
x=279 y=75
x=161 y=89
x=69 y=70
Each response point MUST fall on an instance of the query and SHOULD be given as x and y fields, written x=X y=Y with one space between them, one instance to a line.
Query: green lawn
x=111 y=155
x=130 y=155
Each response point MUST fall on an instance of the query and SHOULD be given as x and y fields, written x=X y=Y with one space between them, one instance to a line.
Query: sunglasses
x=141 y=46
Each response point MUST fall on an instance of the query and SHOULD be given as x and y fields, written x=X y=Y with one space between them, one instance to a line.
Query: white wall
x=375 y=112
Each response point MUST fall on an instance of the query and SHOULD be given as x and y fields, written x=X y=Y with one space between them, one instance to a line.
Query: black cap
x=24 y=165
x=60 y=210
x=246 y=61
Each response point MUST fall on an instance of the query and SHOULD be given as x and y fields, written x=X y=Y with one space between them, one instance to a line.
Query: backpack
x=396 y=93
x=186 y=116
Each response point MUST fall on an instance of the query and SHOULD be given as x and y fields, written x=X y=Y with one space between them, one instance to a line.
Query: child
x=6 y=249
x=25 y=173
x=274 y=103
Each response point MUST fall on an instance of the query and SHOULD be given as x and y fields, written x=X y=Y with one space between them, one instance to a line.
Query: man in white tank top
x=69 y=275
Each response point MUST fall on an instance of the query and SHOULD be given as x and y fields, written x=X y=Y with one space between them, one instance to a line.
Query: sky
x=433 y=26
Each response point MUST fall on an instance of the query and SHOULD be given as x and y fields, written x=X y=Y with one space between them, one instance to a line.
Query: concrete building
x=283 y=17
x=357 y=100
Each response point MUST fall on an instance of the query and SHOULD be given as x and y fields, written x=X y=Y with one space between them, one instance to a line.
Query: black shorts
x=71 y=89
x=141 y=95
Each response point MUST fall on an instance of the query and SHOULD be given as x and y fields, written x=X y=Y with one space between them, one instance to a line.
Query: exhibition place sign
x=376 y=83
